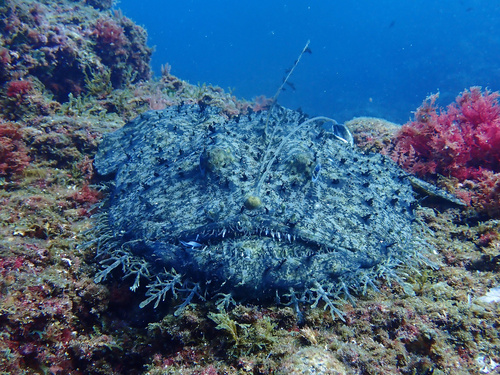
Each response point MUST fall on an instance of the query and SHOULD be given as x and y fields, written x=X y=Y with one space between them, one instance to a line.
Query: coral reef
x=460 y=143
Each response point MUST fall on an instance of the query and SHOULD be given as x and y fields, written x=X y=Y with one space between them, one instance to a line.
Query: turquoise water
x=377 y=58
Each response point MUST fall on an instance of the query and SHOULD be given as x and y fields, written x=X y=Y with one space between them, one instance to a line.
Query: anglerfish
x=259 y=208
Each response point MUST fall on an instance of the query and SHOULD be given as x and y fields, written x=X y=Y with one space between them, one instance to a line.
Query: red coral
x=13 y=153
x=461 y=142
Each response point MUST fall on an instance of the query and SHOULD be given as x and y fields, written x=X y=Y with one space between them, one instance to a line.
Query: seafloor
x=71 y=71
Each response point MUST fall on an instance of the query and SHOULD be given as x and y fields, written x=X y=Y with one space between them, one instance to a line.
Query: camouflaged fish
x=258 y=208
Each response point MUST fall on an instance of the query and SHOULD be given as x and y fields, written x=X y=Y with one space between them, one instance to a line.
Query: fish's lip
x=242 y=226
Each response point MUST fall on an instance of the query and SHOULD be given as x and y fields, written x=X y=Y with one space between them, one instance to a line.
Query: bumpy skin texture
x=186 y=195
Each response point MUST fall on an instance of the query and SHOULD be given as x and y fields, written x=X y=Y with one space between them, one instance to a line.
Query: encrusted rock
x=312 y=361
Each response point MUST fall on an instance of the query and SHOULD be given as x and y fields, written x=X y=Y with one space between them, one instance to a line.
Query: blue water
x=374 y=58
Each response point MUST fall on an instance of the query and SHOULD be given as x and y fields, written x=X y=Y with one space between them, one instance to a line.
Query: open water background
x=369 y=58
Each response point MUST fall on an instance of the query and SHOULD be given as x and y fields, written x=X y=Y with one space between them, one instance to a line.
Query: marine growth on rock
x=254 y=208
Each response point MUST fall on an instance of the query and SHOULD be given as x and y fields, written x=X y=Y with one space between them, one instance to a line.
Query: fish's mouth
x=243 y=226
x=252 y=255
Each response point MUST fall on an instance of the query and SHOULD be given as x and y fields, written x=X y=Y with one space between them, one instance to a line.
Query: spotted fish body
x=256 y=206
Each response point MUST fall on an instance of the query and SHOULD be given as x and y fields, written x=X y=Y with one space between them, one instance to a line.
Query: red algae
x=13 y=151
x=460 y=143
x=19 y=88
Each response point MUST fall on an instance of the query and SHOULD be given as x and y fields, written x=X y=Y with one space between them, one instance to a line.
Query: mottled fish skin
x=325 y=218
x=430 y=190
